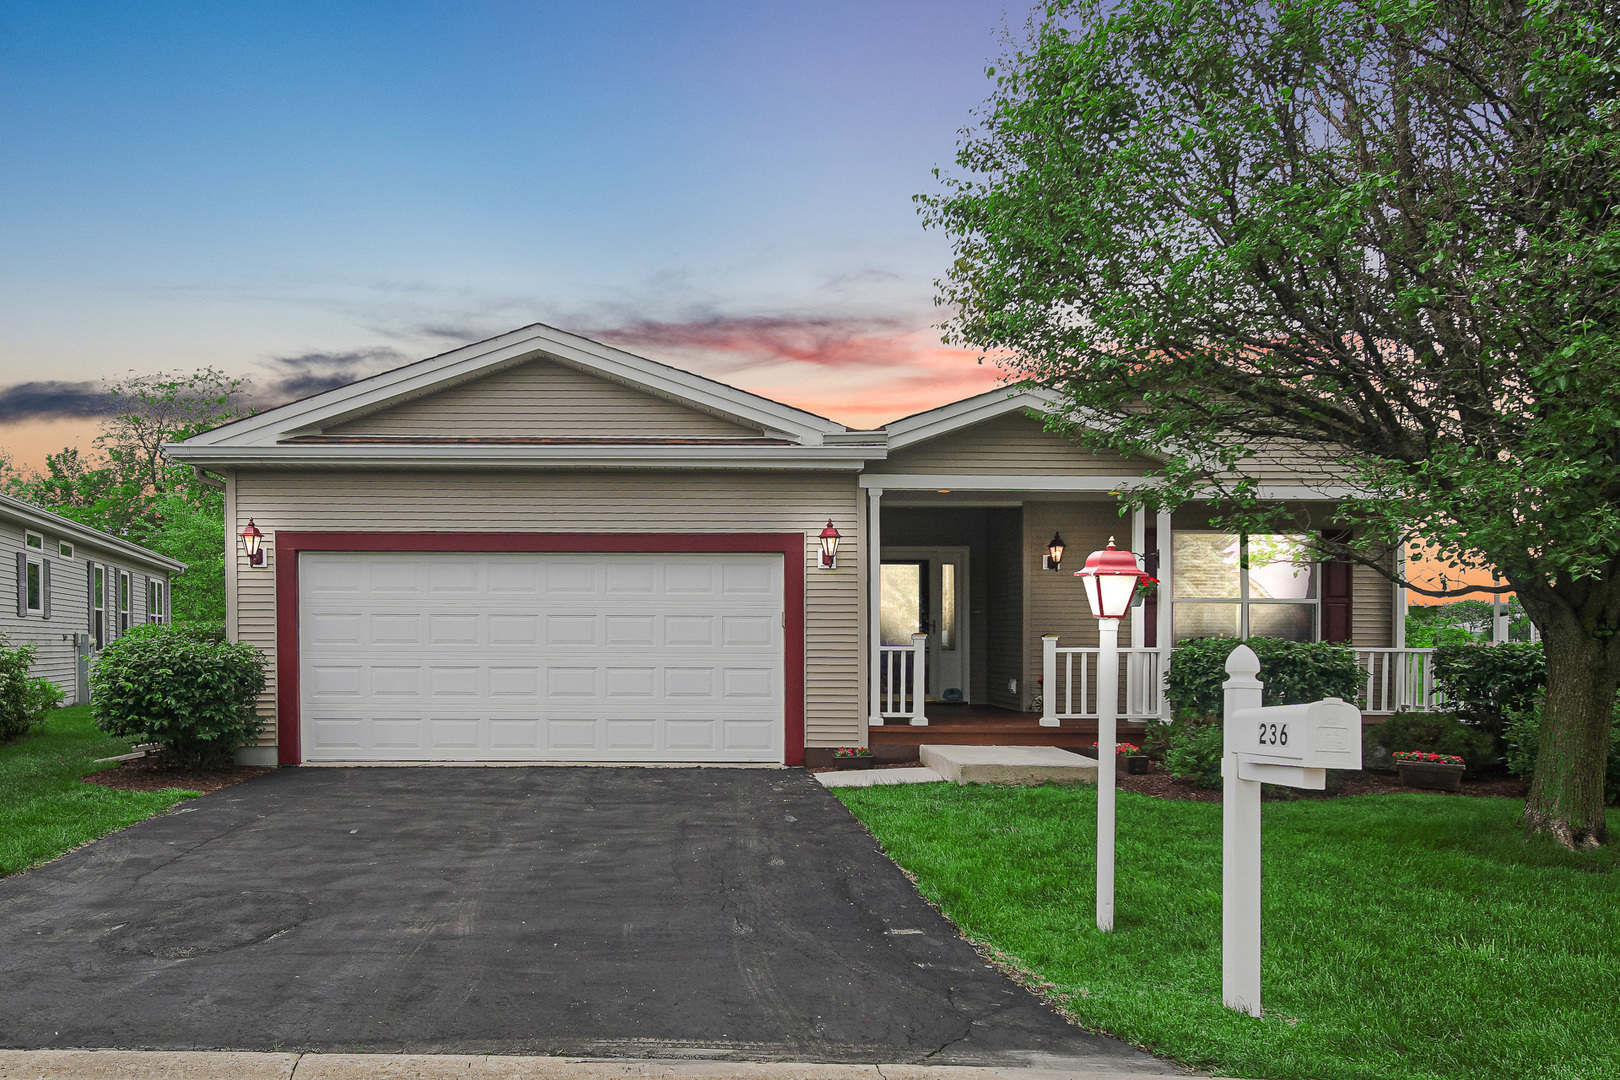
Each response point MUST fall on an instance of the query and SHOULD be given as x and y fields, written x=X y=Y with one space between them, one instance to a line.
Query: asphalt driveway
x=601 y=912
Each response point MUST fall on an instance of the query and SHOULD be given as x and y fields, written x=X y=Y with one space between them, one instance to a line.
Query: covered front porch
x=974 y=639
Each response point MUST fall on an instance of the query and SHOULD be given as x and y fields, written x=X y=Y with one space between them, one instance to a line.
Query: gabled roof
x=931 y=424
x=293 y=432
x=42 y=521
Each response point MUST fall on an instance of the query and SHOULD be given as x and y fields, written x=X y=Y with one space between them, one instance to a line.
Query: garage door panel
x=542 y=657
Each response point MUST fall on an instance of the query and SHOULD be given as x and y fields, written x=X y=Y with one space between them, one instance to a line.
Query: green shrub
x=178 y=686
x=1485 y=684
x=1293 y=672
x=24 y=700
x=1523 y=739
x=1193 y=750
x=1440 y=733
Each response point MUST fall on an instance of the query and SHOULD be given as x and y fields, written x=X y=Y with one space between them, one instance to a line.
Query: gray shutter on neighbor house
x=22 y=585
x=110 y=618
x=146 y=600
x=90 y=596
x=45 y=587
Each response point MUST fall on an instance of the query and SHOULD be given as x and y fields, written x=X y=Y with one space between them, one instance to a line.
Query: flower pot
x=843 y=763
x=1136 y=764
x=1430 y=775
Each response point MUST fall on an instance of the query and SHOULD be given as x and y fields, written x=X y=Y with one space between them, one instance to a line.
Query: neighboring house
x=76 y=590
x=541 y=548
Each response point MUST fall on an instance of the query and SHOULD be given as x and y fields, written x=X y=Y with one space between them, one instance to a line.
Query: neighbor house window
x=36 y=587
x=64 y=549
x=1244 y=585
x=155 y=606
x=34 y=540
x=99 y=598
x=123 y=601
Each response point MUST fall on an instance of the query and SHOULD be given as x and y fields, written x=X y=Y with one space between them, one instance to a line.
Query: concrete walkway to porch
x=977 y=765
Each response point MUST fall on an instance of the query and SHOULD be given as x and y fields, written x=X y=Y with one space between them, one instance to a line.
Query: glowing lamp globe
x=1111 y=577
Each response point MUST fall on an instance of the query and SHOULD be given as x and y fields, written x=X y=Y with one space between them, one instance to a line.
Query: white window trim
x=64 y=549
x=157 y=601
x=1243 y=600
x=34 y=567
x=29 y=538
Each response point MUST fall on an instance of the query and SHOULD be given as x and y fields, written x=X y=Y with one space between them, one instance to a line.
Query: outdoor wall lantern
x=1054 y=553
x=829 y=547
x=253 y=544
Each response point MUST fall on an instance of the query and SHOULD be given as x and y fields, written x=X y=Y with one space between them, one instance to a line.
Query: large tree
x=1378 y=234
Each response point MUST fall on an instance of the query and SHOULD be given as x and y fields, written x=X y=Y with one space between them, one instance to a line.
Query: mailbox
x=1324 y=734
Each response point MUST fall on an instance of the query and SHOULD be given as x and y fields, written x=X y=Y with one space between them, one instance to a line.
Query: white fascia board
x=44 y=521
x=460 y=365
x=966 y=413
x=983 y=482
x=504 y=456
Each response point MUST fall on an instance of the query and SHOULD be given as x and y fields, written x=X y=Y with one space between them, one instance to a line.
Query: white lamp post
x=1111 y=578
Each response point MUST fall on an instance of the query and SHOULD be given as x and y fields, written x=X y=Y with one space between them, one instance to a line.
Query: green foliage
x=1523 y=739
x=1440 y=733
x=1407 y=936
x=194 y=533
x=180 y=686
x=1486 y=683
x=24 y=699
x=1193 y=750
x=46 y=809
x=1293 y=672
x=1379 y=234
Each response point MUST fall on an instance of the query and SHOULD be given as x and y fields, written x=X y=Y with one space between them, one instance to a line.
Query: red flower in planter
x=1426 y=758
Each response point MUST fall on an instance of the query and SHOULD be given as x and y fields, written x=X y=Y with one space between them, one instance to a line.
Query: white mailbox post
x=1292 y=745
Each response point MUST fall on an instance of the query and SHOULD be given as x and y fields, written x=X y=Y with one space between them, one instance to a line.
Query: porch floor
x=985 y=725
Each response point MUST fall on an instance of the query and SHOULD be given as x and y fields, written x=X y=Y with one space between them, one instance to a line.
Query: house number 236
x=1273 y=734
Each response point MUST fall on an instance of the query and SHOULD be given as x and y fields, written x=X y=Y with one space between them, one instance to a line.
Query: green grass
x=44 y=809
x=1404 y=935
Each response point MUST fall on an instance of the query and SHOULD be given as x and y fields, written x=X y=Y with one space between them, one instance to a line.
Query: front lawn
x=1405 y=935
x=45 y=810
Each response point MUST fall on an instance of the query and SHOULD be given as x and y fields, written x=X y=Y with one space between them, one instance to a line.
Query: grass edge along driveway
x=45 y=811
x=1404 y=935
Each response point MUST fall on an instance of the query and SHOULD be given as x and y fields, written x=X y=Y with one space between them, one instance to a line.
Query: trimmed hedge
x=1293 y=672
x=1440 y=733
x=24 y=700
x=1486 y=685
x=182 y=686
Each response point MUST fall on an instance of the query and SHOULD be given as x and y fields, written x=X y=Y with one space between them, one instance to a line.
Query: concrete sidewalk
x=237 y=1065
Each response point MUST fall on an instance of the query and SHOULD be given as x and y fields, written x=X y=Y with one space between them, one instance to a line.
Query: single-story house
x=542 y=548
x=77 y=590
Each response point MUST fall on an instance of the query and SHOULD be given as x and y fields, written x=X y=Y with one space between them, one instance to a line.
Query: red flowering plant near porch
x=1427 y=758
x=852 y=752
x=1123 y=748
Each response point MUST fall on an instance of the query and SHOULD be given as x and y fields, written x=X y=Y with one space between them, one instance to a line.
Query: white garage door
x=541 y=657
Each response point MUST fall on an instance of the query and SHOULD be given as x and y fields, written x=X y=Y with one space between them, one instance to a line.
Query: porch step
x=1008 y=764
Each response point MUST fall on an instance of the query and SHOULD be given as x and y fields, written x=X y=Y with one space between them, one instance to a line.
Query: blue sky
x=726 y=186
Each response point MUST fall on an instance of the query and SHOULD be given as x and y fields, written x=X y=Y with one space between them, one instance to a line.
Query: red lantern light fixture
x=253 y=543
x=1111 y=578
x=829 y=547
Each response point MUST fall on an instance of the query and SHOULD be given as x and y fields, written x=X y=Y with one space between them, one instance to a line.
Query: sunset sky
x=299 y=191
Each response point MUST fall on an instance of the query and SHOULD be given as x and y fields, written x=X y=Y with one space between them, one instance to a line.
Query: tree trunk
x=1566 y=795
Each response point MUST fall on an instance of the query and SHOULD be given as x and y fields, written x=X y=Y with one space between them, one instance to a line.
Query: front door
x=925 y=591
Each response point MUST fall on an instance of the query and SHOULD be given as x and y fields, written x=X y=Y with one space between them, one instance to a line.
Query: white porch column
x=874 y=605
x=1166 y=588
x=1398 y=638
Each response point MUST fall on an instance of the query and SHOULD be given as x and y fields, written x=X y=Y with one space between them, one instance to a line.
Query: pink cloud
x=862 y=372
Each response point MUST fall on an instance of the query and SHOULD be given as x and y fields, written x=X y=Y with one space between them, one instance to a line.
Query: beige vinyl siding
x=600 y=501
x=539 y=399
x=1372 y=608
x=1057 y=600
x=1014 y=445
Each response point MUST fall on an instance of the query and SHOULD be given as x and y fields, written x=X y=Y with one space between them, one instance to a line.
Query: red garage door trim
x=287 y=545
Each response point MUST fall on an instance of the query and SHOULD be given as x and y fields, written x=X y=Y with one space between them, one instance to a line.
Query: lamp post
x=1111 y=577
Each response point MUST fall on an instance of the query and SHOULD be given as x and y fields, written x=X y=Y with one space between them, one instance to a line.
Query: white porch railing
x=903 y=681
x=1397 y=679
x=1393 y=680
x=1069 y=683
